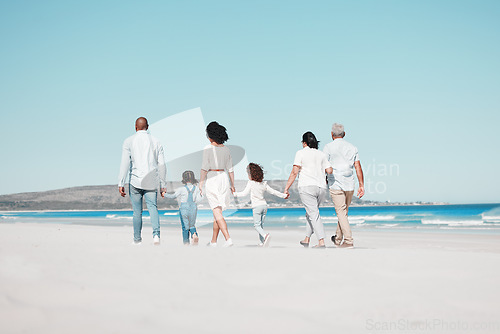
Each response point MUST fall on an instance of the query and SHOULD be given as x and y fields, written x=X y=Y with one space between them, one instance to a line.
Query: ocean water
x=471 y=217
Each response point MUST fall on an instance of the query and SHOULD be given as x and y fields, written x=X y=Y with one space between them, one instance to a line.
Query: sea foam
x=451 y=222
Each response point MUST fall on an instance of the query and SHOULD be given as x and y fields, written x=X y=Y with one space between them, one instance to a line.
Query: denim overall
x=188 y=211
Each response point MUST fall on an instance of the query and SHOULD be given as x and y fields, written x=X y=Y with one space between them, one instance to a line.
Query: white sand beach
x=63 y=278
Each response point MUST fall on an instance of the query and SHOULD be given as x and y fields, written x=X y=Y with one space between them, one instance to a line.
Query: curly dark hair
x=256 y=172
x=188 y=177
x=217 y=133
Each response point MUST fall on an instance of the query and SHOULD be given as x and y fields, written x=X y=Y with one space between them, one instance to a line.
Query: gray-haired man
x=343 y=157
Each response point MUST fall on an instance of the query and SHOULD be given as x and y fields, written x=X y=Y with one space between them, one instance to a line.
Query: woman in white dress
x=310 y=165
x=216 y=165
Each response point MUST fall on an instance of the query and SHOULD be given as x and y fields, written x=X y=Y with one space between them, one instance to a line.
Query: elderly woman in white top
x=216 y=162
x=311 y=165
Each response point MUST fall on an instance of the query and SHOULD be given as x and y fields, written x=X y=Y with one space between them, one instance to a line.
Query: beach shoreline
x=382 y=205
x=472 y=218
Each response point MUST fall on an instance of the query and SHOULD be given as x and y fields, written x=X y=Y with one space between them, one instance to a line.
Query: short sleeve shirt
x=342 y=155
x=312 y=165
x=215 y=157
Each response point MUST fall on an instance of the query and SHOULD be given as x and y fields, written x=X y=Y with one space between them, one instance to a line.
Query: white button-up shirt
x=143 y=160
x=342 y=156
x=313 y=164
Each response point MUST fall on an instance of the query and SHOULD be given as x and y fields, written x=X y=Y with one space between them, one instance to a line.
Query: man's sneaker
x=156 y=240
x=260 y=245
x=228 y=243
x=346 y=245
x=266 y=240
x=334 y=240
x=136 y=243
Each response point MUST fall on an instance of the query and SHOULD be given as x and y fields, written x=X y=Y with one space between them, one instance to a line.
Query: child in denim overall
x=187 y=196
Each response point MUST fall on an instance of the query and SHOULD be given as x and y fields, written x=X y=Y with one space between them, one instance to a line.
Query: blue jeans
x=136 y=196
x=188 y=212
x=259 y=214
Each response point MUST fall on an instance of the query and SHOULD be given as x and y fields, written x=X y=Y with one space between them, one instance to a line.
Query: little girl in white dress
x=216 y=166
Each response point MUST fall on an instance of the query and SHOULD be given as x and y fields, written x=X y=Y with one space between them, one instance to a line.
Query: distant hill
x=106 y=197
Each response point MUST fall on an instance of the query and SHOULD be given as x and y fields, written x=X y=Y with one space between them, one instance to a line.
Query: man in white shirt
x=344 y=157
x=143 y=160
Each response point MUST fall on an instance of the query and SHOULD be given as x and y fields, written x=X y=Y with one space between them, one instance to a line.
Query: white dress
x=217 y=187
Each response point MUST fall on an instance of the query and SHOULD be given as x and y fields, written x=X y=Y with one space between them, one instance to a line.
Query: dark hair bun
x=217 y=132
x=310 y=139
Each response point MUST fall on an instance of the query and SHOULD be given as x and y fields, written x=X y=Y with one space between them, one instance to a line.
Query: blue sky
x=416 y=84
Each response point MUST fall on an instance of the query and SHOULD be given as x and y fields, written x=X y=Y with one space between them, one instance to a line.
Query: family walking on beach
x=317 y=171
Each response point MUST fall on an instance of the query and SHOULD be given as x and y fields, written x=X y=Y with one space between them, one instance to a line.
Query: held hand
x=233 y=190
x=361 y=191
x=163 y=191
x=287 y=194
x=201 y=191
x=122 y=191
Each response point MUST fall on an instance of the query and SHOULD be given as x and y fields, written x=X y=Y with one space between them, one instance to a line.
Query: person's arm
x=327 y=152
x=175 y=194
x=124 y=168
x=230 y=170
x=197 y=196
x=297 y=165
x=291 y=179
x=275 y=192
x=361 y=180
x=244 y=192
x=205 y=166
x=326 y=163
x=203 y=177
x=162 y=171
x=231 y=178
x=328 y=168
